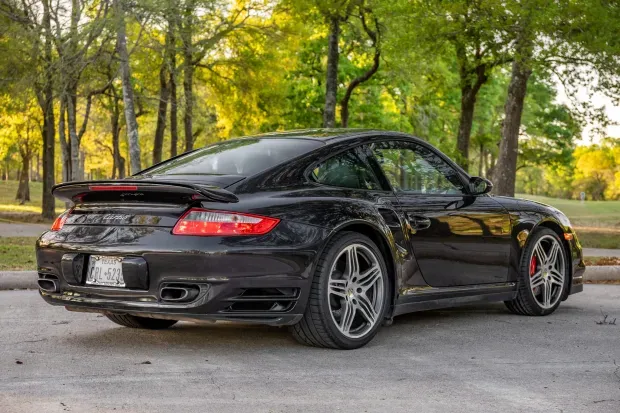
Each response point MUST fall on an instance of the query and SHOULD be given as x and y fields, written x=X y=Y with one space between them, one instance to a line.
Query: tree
x=477 y=34
x=21 y=124
x=374 y=34
x=128 y=96
x=215 y=23
x=550 y=35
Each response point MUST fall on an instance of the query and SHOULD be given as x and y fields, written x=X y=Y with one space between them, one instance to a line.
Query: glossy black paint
x=441 y=250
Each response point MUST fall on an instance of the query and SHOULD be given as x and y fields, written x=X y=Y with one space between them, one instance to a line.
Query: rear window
x=238 y=157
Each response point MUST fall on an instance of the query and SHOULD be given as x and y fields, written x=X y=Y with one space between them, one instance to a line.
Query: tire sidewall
x=524 y=269
x=330 y=255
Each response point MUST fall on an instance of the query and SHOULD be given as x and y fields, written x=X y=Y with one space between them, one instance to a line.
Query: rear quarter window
x=346 y=170
x=243 y=157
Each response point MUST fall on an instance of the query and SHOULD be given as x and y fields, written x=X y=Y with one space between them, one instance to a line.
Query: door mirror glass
x=479 y=186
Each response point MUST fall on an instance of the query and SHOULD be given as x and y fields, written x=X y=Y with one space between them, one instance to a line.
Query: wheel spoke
x=369 y=277
x=536 y=280
x=366 y=309
x=547 y=293
x=348 y=315
x=353 y=265
x=556 y=277
x=338 y=287
x=553 y=254
x=542 y=256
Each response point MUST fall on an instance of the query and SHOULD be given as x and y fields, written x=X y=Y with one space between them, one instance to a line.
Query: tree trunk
x=469 y=93
x=506 y=169
x=164 y=92
x=174 y=123
x=119 y=162
x=128 y=98
x=118 y=167
x=480 y=160
x=374 y=37
x=188 y=75
x=49 y=127
x=82 y=163
x=74 y=141
x=344 y=103
x=331 y=81
x=188 y=87
x=65 y=149
x=37 y=176
x=172 y=69
x=468 y=104
x=23 y=190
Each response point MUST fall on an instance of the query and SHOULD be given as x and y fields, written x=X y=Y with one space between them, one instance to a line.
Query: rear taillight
x=60 y=221
x=203 y=222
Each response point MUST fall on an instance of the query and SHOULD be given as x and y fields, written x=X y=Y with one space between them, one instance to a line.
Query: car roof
x=327 y=134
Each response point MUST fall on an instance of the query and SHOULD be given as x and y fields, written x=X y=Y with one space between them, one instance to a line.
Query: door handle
x=418 y=222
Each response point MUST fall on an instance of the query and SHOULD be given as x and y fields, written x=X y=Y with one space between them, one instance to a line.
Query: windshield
x=238 y=157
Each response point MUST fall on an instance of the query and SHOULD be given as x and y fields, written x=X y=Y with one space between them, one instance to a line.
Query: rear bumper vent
x=48 y=283
x=263 y=300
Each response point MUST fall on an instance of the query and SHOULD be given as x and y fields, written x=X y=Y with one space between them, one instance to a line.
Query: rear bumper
x=216 y=301
x=261 y=279
x=577 y=279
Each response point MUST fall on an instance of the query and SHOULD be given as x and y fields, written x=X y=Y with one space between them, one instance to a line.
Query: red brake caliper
x=533 y=265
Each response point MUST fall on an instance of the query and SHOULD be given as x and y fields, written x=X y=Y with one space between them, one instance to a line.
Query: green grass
x=8 y=204
x=17 y=253
x=597 y=223
x=598 y=239
x=592 y=214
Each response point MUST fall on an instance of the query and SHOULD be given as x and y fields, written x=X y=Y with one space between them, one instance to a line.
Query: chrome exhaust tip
x=178 y=293
x=48 y=285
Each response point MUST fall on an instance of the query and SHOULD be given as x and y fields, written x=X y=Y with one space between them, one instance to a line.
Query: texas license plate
x=106 y=271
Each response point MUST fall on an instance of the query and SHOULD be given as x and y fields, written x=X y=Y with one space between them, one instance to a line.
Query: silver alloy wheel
x=547 y=271
x=355 y=291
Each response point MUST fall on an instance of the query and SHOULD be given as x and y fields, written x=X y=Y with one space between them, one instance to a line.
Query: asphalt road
x=477 y=358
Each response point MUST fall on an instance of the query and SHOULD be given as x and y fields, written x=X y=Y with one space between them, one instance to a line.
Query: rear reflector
x=113 y=188
x=203 y=222
x=60 y=221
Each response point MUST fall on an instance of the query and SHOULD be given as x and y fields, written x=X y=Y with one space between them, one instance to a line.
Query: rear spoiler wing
x=75 y=191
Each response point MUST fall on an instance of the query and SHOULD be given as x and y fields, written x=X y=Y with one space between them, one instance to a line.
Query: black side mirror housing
x=479 y=186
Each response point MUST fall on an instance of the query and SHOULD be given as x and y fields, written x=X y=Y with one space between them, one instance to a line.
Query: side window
x=415 y=169
x=346 y=170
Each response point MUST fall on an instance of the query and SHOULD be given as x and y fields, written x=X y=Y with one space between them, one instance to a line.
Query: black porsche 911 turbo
x=332 y=232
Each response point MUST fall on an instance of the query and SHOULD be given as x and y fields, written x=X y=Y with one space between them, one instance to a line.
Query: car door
x=458 y=239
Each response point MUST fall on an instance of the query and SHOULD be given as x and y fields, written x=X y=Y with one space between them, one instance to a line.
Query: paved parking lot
x=476 y=358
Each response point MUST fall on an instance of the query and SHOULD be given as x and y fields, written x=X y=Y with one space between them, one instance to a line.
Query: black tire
x=317 y=327
x=133 y=321
x=525 y=303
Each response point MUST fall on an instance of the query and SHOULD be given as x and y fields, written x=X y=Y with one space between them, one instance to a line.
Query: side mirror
x=479 y=186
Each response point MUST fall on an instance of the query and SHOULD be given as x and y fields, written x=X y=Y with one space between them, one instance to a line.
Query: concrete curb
x=603 y=273
x=22 y=280
x=18 y=280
